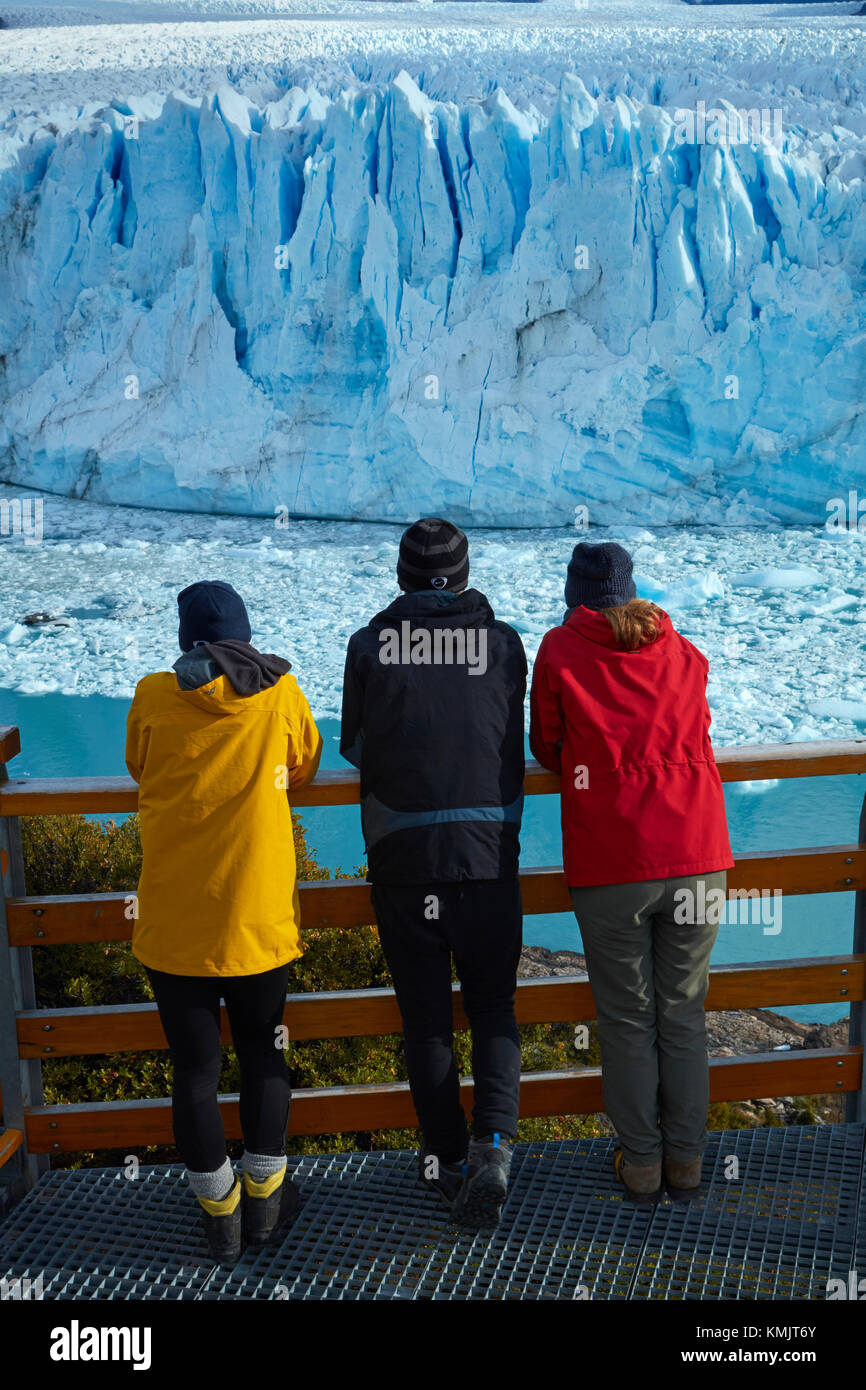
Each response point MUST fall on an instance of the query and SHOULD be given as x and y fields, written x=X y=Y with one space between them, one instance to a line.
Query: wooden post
x=20 y=1081
x=855 y=1101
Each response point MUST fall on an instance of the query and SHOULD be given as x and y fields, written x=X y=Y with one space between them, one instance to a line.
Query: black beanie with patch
x=433 y=555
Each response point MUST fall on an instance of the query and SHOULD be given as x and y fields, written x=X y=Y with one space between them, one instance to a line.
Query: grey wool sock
x=213 y=1186
x=261 y=1166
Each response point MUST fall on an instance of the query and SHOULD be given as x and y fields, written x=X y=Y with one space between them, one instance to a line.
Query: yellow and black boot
x=268 y=1207
x=223 y=1226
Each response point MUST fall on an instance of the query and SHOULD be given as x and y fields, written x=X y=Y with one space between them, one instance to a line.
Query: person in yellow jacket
x=215 y=745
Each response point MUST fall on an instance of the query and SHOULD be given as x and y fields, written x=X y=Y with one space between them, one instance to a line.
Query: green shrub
x=723 y=1115
x=807 y=1110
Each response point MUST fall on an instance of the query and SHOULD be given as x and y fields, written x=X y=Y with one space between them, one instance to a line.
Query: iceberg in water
x=376 y=305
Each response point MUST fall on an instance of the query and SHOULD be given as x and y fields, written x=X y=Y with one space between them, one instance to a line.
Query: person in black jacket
x=433 y=716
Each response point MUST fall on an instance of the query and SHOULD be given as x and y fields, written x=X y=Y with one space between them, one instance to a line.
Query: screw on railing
x=855 y=1101
x=20 y=1080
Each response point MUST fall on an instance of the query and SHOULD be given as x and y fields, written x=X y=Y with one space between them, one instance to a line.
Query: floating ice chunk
x=833 y=601
x=32 y=686
x=648 y=555
x=776 y=579
x=803 y=733
x=638 y=534
x=685 y=593
x=854 y=710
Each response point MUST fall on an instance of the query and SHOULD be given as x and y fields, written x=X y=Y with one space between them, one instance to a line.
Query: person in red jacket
x=619 y=709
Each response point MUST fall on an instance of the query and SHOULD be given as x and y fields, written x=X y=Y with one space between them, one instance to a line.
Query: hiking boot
x=683 y=1180
x=268 y=1207
x=445 y=1179
x=487 y=1167
x=643 y=1184
x=223 y=1228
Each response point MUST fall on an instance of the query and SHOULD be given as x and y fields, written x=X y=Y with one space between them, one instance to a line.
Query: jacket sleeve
x=137 y=737
x=524 y=665
x=305 y=747
x=352 y=721
x=546 y=728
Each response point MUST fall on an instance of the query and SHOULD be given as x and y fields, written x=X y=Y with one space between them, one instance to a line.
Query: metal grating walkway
x=789 y=1215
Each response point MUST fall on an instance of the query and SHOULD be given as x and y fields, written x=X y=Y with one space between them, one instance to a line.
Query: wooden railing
x=29 y=1034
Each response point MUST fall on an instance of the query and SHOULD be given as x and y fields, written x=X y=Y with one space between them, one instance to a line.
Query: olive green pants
x=647 y=948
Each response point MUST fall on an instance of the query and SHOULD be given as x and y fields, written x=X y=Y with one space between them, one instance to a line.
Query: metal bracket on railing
x=20 y=1080
x=855 y=1101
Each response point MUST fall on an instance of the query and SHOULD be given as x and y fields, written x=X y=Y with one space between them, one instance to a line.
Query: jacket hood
x=593 y=627
x=469 y=609
x=246 y=671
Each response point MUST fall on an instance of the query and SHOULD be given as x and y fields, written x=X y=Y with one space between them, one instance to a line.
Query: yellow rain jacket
x=218 y=892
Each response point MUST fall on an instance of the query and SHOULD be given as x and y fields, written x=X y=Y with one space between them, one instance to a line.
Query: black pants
x=189 y=1008
x=480 y=922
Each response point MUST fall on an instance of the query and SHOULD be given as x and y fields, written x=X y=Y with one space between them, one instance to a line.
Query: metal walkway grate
x=783 y=1222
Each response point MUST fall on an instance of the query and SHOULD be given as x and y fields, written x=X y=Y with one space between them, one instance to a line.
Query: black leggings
x=480 y=923
x=189 y=1008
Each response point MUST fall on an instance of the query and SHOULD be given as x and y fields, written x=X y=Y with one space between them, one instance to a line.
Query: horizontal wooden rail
x=41 y=796
x=761 y=762
x=10 y=742
x=373 y=1012
x=54 y=921
x=10 y=1142
x=342 y=1109
x=58 y=796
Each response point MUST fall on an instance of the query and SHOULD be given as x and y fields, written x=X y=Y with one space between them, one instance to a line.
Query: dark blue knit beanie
x=211 y=611
x=599 y=576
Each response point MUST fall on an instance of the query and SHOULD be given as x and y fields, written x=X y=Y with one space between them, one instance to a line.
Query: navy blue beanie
x=599 y=576
x=211 y=611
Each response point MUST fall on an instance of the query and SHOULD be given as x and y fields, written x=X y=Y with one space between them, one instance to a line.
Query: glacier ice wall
x=380 y=305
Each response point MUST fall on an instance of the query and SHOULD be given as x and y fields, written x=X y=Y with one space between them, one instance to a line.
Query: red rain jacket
x=629 y=732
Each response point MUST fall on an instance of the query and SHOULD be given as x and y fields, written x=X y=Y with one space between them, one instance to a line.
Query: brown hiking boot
x=643 y=1184
x=683 y=1180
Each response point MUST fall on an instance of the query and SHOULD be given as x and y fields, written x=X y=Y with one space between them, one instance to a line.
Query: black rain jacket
x=439 y=745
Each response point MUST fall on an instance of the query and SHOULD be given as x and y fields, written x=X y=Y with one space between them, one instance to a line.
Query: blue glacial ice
x=375 y=305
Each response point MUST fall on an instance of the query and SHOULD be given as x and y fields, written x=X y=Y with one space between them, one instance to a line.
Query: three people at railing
x=618 y=706
x=213 y=746
x=433 y=717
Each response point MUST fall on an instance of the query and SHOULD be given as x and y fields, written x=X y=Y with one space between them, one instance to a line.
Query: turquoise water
x=66 y=736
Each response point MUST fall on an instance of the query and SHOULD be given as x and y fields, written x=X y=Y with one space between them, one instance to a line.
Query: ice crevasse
x=376 y=305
